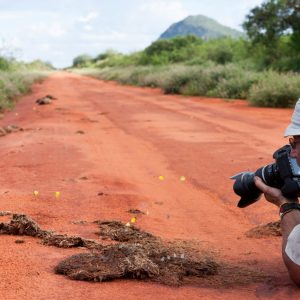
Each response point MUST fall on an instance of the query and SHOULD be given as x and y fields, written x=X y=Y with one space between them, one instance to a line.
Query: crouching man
x=289 y=210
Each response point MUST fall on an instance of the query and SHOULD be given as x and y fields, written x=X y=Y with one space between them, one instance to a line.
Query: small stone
x=19 y=241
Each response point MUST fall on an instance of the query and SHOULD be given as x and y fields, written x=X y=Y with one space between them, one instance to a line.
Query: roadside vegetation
x=16 y=79
x=262 y=68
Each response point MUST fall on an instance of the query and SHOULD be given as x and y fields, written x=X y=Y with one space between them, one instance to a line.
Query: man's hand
x=272 y=195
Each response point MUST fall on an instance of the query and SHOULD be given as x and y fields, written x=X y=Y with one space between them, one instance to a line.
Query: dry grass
x=265 y=230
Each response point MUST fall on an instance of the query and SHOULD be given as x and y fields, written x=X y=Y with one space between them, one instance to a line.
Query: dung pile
x=45 y=100
x=65 y=241
x=269 y=229
x=133 y=253
x=9 y=129
x=117 y=231
x=138 y=255
x=21 y=224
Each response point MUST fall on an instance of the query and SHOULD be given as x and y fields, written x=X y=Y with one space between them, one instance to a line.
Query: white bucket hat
x=294 y=127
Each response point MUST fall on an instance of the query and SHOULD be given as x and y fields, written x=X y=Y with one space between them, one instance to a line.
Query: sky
x=59 y=30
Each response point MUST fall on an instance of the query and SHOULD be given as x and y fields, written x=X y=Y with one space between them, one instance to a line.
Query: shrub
x=275 y=90
x=224 y=81
x=82 y=61
x=13 y=84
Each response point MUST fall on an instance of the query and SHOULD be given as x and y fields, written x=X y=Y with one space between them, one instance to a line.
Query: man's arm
x=289 y=228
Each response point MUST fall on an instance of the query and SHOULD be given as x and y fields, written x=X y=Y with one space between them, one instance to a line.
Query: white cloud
x=89 y=17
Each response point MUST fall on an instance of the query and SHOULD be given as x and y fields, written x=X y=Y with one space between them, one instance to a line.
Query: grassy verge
x=231 y=81
x=14 y=84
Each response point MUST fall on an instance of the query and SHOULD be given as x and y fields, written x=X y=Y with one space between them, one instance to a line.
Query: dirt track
x=105 y=138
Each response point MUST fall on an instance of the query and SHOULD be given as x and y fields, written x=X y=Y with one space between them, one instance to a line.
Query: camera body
x=284 y=174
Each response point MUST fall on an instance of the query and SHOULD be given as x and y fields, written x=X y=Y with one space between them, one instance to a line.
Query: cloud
x=89 y=17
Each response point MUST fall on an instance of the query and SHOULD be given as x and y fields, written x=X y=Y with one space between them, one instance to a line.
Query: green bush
x=13 y=84
x=275 y=90
x=224 y=81
x=82 y=61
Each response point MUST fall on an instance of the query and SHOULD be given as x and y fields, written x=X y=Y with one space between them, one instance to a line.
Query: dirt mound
x=265 y=230
x=117 y=231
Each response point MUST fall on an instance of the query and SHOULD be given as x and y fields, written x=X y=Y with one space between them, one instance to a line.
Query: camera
x=284 y=174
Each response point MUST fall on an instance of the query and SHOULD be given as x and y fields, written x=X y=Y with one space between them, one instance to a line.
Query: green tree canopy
x=82 y=61
x=267 y=23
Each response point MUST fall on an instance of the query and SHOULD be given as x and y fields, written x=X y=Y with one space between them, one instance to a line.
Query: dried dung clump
x=9 y=129
x=117 y=231
x=45 y=100
x=138 y=255
x=135 y=211
x=23 y=225
x=5 y=213
x=153 y=261
x=19 y=241
x=64 y=241
x=270 y=229
x=51 y=97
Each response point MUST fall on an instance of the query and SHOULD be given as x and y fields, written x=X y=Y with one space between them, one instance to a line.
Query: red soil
x=130 y=137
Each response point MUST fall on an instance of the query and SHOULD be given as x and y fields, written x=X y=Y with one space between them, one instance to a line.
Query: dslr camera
x=284 y=174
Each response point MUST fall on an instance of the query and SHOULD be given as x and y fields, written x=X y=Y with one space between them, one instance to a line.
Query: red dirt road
x=130 y=137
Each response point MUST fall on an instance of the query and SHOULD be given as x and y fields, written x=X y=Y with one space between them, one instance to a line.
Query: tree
x=268 y=23
x=82 y=61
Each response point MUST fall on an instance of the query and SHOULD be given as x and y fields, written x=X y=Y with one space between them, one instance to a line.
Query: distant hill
x=201 y=26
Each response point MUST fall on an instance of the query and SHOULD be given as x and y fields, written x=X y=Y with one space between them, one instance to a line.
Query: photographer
x=289 y=209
